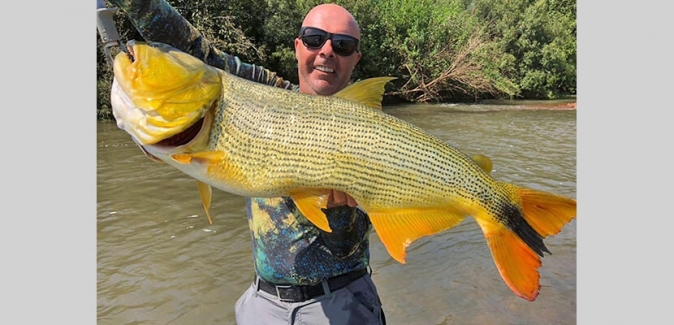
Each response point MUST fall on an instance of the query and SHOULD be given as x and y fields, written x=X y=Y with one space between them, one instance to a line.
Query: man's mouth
x=324 y=69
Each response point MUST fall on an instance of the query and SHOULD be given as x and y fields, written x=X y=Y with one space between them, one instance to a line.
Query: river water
x=160 y=262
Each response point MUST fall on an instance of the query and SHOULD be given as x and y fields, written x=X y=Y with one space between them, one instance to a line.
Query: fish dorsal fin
x=399 y=228
x=205 y=192
x=484 y=162
x=310 y=203
x=368 y=92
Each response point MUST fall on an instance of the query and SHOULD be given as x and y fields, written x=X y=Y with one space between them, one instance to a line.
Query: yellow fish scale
x=380 y=160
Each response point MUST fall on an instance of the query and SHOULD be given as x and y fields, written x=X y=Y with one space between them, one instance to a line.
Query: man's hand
x=337 y=198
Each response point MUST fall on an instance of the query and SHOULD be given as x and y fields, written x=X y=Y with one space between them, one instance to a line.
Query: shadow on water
x=160 y=262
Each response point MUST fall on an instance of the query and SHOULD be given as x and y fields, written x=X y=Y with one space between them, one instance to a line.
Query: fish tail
x=515 y=235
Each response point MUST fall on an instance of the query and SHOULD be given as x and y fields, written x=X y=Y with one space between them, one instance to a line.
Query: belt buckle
x=278 y=294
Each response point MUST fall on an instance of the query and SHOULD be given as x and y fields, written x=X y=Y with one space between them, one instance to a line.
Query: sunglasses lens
x=343 y=46
x=314 y=40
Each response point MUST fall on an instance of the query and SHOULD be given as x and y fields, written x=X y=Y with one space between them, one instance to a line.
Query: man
x=303 y=275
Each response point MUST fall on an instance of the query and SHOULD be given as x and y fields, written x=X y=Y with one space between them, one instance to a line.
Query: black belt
x=292 y=293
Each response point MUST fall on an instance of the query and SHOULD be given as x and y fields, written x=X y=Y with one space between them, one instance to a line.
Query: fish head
x=159 y=91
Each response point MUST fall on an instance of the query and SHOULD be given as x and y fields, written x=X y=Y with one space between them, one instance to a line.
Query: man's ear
x=297 y=43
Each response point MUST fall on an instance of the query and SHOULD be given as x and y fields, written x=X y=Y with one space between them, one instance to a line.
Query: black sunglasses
x=314 y=38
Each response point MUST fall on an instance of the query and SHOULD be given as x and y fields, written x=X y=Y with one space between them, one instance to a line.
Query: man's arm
x=158 y=21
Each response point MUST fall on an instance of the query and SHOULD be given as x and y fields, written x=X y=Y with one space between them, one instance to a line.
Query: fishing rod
x=107 y=29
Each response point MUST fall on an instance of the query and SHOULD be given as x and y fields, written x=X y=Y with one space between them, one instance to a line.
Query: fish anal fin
x=368 y=92
x=310 y=203
x=516 y=262
x=399 y=228
x=546 y=213
x=199 y=157
x=205 y=192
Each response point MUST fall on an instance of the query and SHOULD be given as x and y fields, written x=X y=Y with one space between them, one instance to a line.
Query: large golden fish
x=255 y=140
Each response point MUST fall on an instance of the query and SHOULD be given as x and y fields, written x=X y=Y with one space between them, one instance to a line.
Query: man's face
x=322 y=71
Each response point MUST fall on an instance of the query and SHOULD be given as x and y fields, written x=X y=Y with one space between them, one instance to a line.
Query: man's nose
x=326 y=49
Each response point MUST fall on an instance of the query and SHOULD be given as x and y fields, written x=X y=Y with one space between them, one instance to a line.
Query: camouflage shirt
x=287 y=247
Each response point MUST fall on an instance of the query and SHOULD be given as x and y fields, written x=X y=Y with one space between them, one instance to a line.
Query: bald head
x=321 y=70
x=334 y=17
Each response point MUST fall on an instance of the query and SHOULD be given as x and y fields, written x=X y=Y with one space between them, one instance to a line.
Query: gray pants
x=357 y=303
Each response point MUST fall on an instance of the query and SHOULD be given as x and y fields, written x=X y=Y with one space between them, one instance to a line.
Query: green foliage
x=445 y=51
x=541 y=36
x=232 y=26
x=439 y=50
x=283 y=19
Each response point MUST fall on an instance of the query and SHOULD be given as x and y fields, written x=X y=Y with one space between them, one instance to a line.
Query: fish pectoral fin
x=368 y=92
x=516 y=262
x=484 y=162
x=199 y=157
x=205 y=192
x=310 y=203
x=399 y=228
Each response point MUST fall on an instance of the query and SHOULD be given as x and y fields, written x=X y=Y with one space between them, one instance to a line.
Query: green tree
x=541 y=36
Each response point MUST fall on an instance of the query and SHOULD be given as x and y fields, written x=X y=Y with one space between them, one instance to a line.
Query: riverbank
x=553 y=104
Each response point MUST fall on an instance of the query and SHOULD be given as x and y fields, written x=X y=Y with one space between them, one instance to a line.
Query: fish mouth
x=129 y=51
x=172 y=142
x=183 y=137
